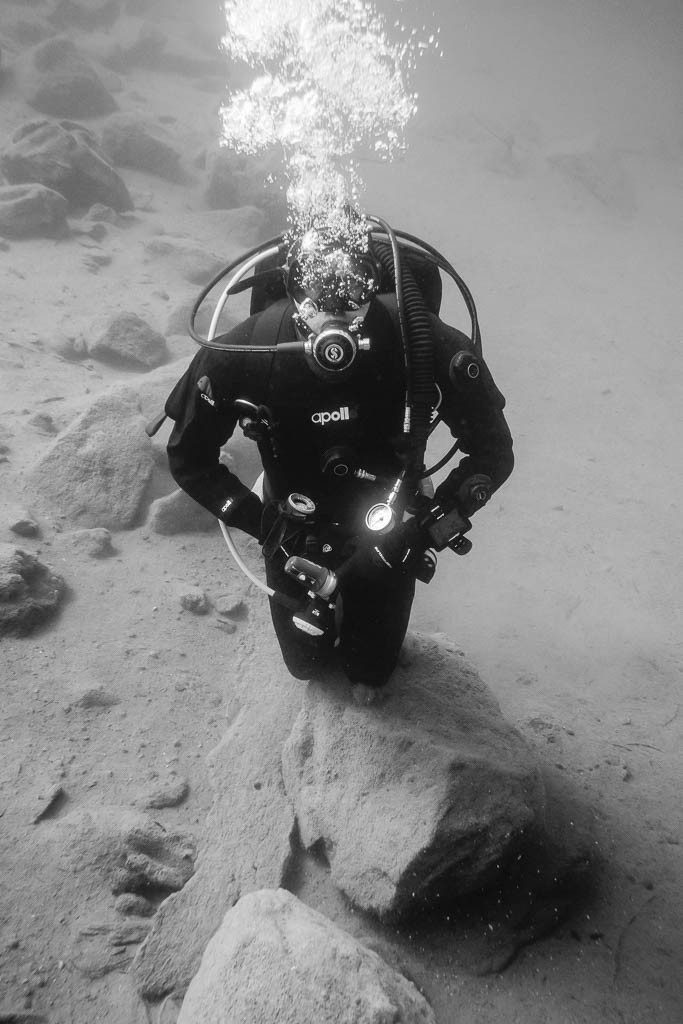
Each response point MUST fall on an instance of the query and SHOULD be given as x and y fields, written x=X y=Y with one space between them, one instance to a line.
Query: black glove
x=244 y=512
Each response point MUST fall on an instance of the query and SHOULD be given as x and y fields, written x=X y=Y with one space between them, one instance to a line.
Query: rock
x=66 y=157
x=25 y=527
x=30 y=593
x=104 y=946
x=179 y=513
x=225 y=626
x=95 y=543
x=138 y=43
x=47 y=802
x=440 y=788
x=228 y=233
x=133 y=140
x=127 y=339
x=153 y=388
x=193 y=599
x=129 y=851
x=56 y=79
x=131 y=905
x=179 y=318
x=172 y=793
x=247 y=838
x=86 y=14
x=96 y=698
x=28 y=29
x=232 y=608
x=32 y=210
x=276 y=961
x=95 y=473
x=100 y=213
x=23 y=1017
x=235 y=180
x=195 y=263
x=43 y=422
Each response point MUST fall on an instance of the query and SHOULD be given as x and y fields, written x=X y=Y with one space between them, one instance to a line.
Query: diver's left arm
x=472 y=407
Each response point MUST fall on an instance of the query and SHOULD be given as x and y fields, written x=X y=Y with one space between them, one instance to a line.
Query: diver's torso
x=332 y=436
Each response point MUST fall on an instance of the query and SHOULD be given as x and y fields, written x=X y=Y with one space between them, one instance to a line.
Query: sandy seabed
x=545 y=162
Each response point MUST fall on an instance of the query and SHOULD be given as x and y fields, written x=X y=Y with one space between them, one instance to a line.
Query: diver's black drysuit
x=361 y=414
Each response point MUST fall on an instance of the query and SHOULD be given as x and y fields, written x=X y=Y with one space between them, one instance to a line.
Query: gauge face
x=379 y=518
x=301 y=505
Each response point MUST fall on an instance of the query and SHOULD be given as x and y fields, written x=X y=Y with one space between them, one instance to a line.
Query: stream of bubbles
x=329 y=86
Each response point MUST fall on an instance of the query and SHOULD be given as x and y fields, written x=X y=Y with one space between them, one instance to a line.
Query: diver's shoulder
x=448 y=336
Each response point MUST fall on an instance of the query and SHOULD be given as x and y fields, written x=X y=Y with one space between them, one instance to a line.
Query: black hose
x=441 y=262
x=418 y=343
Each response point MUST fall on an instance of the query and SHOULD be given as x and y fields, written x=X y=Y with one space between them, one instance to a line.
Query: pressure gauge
x=300 y=506
x=380 y=518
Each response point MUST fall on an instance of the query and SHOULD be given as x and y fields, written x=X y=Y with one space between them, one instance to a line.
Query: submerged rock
x=430 y=789
x=127 y=339
x=95 y=543
x=132 y=140
x=32 y=210
x=96 y=472
x=236 y=180
x=275 y=961
x=193 y=262
x=56 y=79
x=87 y=14
x=128 y=850
x=66 y=157
x=179 y=513
x=30 y=593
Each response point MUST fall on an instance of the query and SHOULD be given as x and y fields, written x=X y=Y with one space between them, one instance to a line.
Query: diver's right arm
x=205 y=417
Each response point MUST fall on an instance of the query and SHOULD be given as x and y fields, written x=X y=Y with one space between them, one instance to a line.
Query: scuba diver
x=340 y=374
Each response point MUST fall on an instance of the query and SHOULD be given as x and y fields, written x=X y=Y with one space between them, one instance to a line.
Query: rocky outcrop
x=234 y=179
x=138 y=43
x=132 y=140
x=93 y=543
x=126 y=339
x=247 y=837
x=431 y=790
x=178 y=513
x=30 y=593
x=32 y=210
x=56 y=79
x=192 y=262
x=129 y=850
x=87 y=14
x=276 y=961
x=96 y=472
x=66 y=157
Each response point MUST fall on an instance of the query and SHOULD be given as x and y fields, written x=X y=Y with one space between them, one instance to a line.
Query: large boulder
x=96 y=471
x=431 y=790
x=86 y=14
x=137 y=43
x=126 y=339
x=30 y=593
x=56 y=79
x=234 y=179
x=194 y=263
x=177 y=513
x=29 y=210
x=133 y=140
x=276 y=961
x=226 y=232
x=66 y=157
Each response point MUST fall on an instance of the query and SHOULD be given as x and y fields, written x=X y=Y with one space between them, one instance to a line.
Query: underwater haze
x=538 y=145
